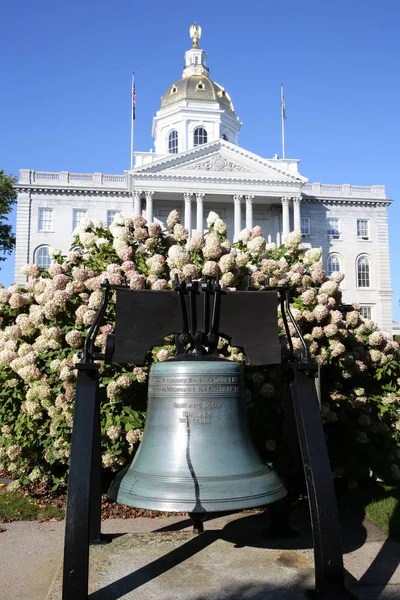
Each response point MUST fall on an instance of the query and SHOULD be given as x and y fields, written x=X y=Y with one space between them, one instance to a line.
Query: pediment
x=216 y=162
x=221 y=159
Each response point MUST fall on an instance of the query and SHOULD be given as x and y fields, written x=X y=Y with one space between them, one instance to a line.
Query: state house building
x=197 y=166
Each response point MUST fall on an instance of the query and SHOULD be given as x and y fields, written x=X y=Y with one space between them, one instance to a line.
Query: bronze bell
x=196 y=454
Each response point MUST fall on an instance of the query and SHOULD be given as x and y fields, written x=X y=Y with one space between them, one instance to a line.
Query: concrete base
x=161 y=558
x=230 y=560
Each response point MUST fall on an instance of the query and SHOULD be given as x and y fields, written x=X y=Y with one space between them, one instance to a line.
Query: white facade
x=195 y=175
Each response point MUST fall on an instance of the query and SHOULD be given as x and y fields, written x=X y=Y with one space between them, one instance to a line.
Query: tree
x=8 y=197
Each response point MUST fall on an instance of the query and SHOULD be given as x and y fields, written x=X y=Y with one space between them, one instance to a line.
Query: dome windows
x=173 y=142
x=174 y=89
x=200 y=87
x=200 y=136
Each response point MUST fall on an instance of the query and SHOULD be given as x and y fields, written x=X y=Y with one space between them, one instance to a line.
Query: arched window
x=224 y=137
x=200 y=136
x=333 y=265
x=363 y=272
x=173 y=142
x=42 y=257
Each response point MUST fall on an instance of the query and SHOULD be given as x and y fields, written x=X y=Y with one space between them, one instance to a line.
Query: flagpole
x=132 y=117
x=283 y=111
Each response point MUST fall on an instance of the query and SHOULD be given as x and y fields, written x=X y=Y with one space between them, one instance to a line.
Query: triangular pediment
x=221 y=159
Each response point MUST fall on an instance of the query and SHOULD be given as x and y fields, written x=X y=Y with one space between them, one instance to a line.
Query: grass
x=385 y=511
x=17 y=507
x=381 y=504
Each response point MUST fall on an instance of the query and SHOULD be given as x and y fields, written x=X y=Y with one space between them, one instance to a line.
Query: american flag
x=133 y=97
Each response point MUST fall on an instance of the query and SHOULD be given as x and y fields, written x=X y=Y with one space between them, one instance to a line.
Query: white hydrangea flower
x=118 y=220
x=220 y=227
x=256 y=246
x=99 y=224
x=211 y=219
x=312 y=256
x=244 y=235
x=101 y=242
x=54 y=252
x=293 y=240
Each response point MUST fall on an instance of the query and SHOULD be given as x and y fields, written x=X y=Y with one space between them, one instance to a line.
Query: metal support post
x=328 y=555
x=82 y=518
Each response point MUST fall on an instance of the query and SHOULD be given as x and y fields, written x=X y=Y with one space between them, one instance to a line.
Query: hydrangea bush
x=43 y=326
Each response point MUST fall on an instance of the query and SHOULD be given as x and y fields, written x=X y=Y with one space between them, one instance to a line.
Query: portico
x=251 y=189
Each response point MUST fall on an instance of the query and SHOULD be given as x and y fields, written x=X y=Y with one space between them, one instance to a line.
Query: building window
x=366 y=312
x=200 y=86
x=173 y=142
x=363 y=229
x=42 y=257
x=363 y=272
x=333 y=228
x=78 y=216
x=45 y=222
x=224 y=137
x=200 y=136
x=333 y=264
x=110 y=216
x=305 y=226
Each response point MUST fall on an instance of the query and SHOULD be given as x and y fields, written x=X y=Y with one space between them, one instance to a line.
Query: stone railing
x=344 y=191
x=62 y=178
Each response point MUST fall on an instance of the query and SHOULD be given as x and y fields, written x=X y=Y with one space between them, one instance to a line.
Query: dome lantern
x=193 y=103
x=195 y=58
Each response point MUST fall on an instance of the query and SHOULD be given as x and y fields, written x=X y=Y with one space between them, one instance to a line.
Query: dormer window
x=200 y=86
x=174 y=89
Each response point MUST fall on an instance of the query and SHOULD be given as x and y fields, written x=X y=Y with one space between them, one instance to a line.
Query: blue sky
x=66 y=78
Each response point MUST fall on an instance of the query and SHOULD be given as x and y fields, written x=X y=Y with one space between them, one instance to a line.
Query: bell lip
x=211 y=505
x=172 y=479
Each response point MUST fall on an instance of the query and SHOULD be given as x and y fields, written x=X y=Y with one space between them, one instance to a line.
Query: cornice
x=347 y=201
x=71 y=191
x=203 y=178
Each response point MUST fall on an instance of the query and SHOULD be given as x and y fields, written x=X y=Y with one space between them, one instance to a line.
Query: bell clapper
x=197 y=519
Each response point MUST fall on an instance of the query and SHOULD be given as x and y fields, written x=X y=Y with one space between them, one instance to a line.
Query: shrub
x=43 y=326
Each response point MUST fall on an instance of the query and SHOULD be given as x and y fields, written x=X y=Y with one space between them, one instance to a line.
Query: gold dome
x=197 y=88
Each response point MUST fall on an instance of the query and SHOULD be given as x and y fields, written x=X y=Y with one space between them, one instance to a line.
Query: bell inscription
x=194 y=385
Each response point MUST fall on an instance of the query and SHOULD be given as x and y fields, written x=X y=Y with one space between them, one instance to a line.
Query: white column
x=199 y=211
x=285 y=217
x=187 y=196
x=137 y=211
x=296 y=213
x=249 y=211
x=276 y=211
x=149 y=206
x=237 y=218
